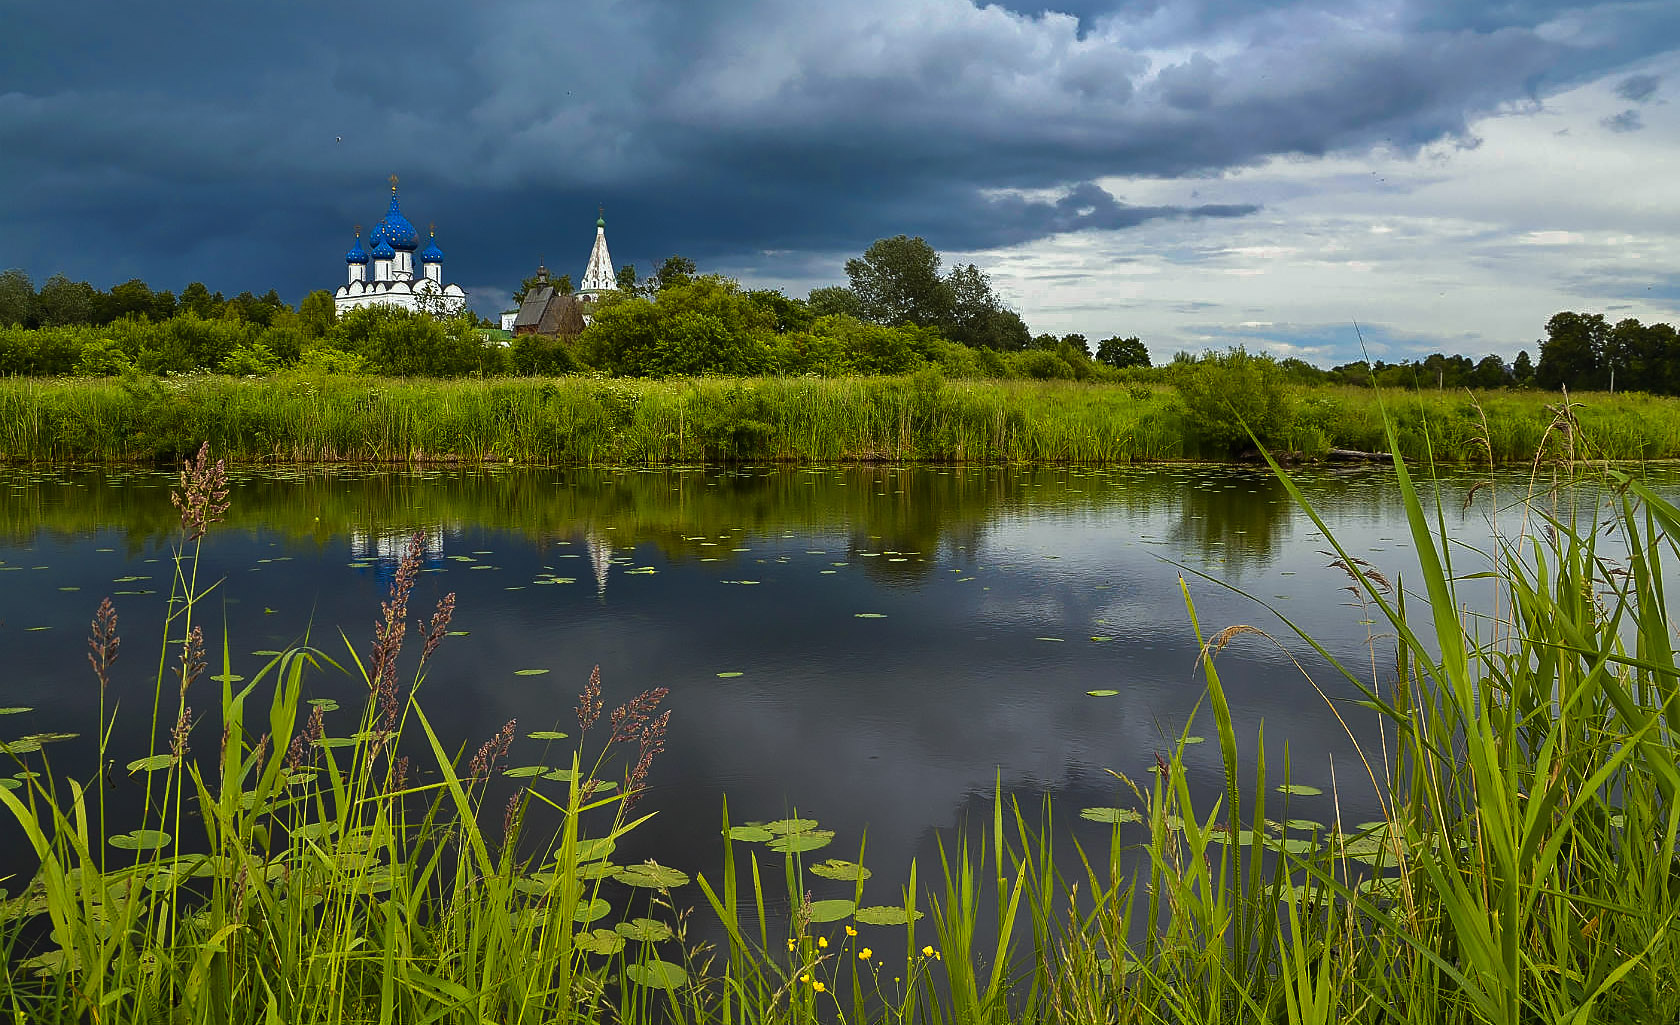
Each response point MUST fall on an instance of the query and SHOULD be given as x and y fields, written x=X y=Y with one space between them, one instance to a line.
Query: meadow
x=317 y=864
x=295 y=417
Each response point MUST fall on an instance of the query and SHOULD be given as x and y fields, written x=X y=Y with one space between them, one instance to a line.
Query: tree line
x=900 y=311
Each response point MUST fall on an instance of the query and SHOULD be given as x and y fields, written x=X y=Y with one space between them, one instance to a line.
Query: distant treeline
x=900 y=314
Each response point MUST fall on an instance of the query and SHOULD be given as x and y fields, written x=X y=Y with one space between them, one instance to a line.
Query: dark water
x=895 y=640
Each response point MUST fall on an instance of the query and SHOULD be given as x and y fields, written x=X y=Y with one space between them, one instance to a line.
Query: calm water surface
x=873 y=647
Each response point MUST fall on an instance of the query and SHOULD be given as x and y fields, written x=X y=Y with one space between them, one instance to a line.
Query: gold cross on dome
x=358 y=231
x=433 y=227
x=393 y=183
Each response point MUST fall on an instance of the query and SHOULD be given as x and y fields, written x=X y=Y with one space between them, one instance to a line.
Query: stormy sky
x=1445 y=174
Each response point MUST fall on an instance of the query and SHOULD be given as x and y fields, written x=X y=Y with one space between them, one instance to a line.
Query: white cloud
x=1467 y=246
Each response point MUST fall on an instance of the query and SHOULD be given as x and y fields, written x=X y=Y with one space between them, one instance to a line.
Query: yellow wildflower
x=805 y=978
x=818 y=986
x=927 y=951
x=850 y=931
x=865 y=954
x=792 y=945
x=822 y=941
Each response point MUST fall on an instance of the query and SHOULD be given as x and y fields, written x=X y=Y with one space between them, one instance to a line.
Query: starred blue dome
x=356 y=254
x=383 y=251
x=431 y=254
x=395 y=229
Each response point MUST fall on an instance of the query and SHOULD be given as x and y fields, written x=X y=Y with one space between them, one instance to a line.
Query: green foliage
x=541 y=356
x=401 y=342
x=834 y=300
x=1120 y=352
x=897 y=282
x=706 y=325
x=1230 y=394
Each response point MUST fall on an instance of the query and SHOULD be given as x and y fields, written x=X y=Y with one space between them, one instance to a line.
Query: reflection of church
x=384 y=275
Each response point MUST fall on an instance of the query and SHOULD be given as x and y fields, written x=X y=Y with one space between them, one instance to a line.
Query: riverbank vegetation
x=901 y=312
x=312 y=417
x=300 y=858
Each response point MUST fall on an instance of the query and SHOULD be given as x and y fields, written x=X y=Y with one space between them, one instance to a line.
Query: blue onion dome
x=383 y=251
x=356 y=254
x=396 y=229
x=431 y=254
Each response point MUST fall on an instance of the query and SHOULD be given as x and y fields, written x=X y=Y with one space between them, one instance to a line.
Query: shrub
x=1230 y=394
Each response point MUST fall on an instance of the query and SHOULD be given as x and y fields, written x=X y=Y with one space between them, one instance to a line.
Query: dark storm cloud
x=1637 y=88
x=238 y=144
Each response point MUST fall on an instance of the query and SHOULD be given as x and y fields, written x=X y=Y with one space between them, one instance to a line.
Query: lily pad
x=834 y=868
x=1299 y=790
x=790 y=825
x=1057 y=640
x=750 y=834
x=546 y=735
x=1099 y=638
x=596 y=849
x=152 y=764
x=526 y=771
x=1102 y=693
x=831 y=910
x=595 y=870
x=1111 y=815
x=457 y=633
x=529 y=672
x=729 y=675
x=16 y=710
x=599 y=941
x=652 y=876
x=563 y=775
x=324 y=704
x=140 y=840
x=885 y=915
x=643 y=930
x=798 y=843
x=657 y=975
x=869 y=615
x=591 y=911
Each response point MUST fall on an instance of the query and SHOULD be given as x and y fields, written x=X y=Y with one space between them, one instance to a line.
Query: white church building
x=384 y=273
x=598 y=277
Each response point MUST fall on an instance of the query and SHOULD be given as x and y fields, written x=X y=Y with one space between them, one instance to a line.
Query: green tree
x=1570 y=354
x=1229 y=394
x=1522 y=371
x=1002 y=330
x=134 y=298
x=704 y=326
x=201 y=302
x=834 y=300
x=791 y=314
x=62 y=301
x=1120 y=352
x=627 y=278
x=17 y=299
x=676 y=270
x=1490 y=373
x=897 y=282
x=975 y=308
x=317 y=313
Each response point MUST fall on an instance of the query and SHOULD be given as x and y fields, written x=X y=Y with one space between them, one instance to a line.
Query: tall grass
x=1523 y=869
x=298 y=417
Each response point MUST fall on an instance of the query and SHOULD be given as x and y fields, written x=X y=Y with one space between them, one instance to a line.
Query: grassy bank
x=588 y=421
x=299 y=862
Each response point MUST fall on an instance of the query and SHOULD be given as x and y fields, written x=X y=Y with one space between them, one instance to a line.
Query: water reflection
x=875 y=646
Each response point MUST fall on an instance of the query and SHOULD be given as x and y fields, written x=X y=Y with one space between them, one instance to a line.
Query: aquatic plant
x=291 y=872
x=1526 y=701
